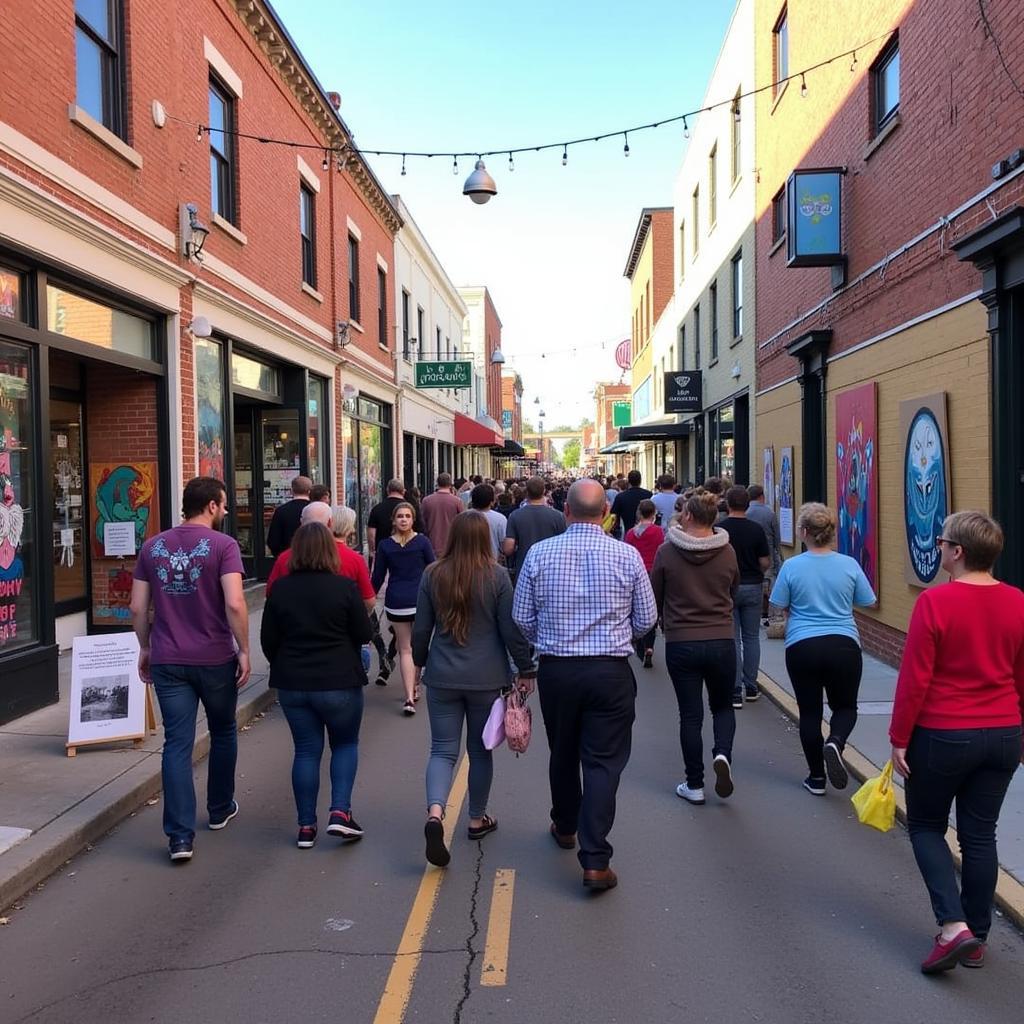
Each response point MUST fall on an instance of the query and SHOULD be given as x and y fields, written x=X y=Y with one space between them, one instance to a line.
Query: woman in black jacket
x=314 y=625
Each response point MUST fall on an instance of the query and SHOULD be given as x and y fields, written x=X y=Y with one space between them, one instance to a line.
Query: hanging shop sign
x=506 y=419
x=622 y=414
x=684 y=391
x=624 y=354
x=455 y=373
x=814 y=217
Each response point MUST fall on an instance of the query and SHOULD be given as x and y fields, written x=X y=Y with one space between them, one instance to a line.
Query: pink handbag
x=518 y=721
x=494 y=728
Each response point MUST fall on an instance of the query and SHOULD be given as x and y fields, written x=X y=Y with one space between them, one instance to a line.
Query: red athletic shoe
x=975 y=958
x=946 y=955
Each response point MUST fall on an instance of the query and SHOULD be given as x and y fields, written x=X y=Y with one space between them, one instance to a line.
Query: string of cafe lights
x=480 y=186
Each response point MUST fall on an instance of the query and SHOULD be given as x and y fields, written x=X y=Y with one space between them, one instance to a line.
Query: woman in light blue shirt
x=819 y=590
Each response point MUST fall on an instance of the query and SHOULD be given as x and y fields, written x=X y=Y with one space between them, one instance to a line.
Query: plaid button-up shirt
x=583 y=594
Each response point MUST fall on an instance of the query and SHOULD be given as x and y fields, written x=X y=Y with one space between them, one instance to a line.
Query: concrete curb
x=1009 y=892
x=36 y=858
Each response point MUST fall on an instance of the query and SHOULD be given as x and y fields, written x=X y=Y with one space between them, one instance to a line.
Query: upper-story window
x=780 y=56
x=737 y=295
x=99 y=71
x=737 y=151
x=695 y=219
x=353 y=279
x=713 y=299
x=779 y=215
x=647 y=327
x=682 y=249
x=682 y=347
x=713 y=186
x=696 y=336
x=405 y=324
x=382 y=307
x=307 y=232
x=421 y=339
x=437 y=339
x=885 y=80
x=222 y=152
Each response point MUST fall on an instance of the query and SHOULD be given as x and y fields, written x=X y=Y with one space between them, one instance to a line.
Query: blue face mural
x=925 y=493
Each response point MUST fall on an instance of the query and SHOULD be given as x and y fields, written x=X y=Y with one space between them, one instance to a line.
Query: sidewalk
x=53 y=806
x=869 y=749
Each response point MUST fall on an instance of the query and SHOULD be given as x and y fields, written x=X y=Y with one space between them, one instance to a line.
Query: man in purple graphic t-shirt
x=196 y=649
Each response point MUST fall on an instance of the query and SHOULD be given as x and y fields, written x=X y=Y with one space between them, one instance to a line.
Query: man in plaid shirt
x=580 y=599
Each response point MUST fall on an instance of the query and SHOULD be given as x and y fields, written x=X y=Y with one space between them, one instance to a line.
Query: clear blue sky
x=552 y=245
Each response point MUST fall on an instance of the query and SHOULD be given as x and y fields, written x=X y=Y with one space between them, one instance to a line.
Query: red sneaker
x=946 y=955
x=975 y=958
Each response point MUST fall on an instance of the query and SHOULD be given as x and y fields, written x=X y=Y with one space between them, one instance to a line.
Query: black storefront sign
x=684 y=391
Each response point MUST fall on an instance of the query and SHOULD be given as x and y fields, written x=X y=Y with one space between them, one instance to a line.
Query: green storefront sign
x=622 y=414
x=455 y=373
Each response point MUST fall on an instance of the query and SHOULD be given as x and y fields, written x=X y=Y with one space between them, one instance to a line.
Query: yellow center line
x=398 y=989
x=499 y=928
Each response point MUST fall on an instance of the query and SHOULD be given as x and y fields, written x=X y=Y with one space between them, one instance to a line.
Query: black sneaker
x=307 y=837
x=834 y=767
x=343 y=824
x=723 y=776
x=737 y=699
x=815 y=786
x=409 y=708
x=180 y=849
x=751 y=695
x=216 y=824
x=382 y=678
x=436 y=852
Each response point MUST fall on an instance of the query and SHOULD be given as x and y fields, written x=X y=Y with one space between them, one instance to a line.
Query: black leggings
x=835 y=663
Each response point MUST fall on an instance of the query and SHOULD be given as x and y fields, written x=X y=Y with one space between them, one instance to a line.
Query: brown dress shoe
x=565 y=842
x=596 y=879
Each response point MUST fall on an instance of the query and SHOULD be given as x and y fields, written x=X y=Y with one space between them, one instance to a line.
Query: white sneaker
x=693 y=796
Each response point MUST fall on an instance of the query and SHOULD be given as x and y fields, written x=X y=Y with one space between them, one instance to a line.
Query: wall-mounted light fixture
x=497 y=357
x=193 y=232
x=200 y=327
x=341 y=334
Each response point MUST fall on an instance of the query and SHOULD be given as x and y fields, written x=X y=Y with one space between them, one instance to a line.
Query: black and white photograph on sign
x=108 y=697
x=684 y=391
x=104 y=698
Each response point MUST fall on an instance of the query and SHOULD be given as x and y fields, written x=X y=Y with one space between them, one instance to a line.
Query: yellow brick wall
x=778 y=426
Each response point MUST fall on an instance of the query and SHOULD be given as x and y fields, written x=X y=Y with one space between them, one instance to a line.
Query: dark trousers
x=588 y=706
x=832 y=663
x=692 y=665
x=645 y=643
x=972 y=767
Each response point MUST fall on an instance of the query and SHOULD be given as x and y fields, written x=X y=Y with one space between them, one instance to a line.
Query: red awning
x=470 y=433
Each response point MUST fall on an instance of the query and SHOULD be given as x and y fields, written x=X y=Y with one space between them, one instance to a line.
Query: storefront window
x=86 y=320
x=317 y=413
x=10 y=294
x=18 y=553
x=723 y=442
x=253 y=375
x=66 y=467
x=210 y=407
x=366 y=445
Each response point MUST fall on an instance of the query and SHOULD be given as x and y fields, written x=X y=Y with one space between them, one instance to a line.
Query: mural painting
x=787 y=534
x=123 y=493
x=12 y=524
x=857 y=477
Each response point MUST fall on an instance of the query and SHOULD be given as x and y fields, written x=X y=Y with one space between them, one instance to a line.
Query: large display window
x=366 y=446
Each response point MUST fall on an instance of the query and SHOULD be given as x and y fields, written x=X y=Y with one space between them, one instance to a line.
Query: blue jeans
x=447 y=710
x=972 y=767
x=179 y=689
x=746 y=617
x=309 y=712
x=692 y=665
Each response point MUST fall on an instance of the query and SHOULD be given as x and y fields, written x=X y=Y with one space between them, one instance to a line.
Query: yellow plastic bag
x=875 y=801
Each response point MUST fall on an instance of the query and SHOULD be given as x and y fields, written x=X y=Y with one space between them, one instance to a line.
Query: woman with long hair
x=956 y=730
x=462 y=640
x=818 y=591
x=313 y=627
x=694 y=577
x=402 y=558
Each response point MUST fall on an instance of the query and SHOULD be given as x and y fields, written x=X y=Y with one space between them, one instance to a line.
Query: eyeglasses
x=946 y=540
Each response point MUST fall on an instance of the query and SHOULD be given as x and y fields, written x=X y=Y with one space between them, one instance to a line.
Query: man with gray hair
x=581 y=599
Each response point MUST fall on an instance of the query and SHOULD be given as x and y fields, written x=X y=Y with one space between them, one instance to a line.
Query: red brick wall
x=492 y=334
x=663 y=256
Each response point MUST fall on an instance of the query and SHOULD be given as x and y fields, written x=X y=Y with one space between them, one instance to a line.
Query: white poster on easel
x=108 y=697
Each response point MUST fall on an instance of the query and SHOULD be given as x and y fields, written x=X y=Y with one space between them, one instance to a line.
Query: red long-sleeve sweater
x=963 y=664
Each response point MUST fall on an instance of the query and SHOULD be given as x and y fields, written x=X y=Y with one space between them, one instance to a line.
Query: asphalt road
x=773 y=907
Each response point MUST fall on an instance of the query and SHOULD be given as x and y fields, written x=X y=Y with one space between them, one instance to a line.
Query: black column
x=812 y=351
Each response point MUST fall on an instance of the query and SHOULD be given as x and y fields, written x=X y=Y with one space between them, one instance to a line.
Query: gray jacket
x=483 y=663
x=766 y=519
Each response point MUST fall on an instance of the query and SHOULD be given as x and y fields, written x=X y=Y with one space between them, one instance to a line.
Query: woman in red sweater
x=956 y=730
x=646 y=537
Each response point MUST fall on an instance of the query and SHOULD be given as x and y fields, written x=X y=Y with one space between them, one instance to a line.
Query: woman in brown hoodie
x=694 y=577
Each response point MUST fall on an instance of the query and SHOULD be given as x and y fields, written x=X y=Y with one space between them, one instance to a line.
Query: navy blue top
x=403 y=567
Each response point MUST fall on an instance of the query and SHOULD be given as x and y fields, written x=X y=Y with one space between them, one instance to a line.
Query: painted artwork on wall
x=857 y=477
x=768 y=476
x=927 y=497
x=787 y=532
x=123 y=493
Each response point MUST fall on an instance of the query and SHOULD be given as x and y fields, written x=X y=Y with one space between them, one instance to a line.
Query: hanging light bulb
x=455 y=165
x=625 y=148
x=853 y=63
x=565 y=155
x=803 y=86
x=403 y=165
x=325 y=164
x=686 y=128
x=511 y=163
x=199 y=133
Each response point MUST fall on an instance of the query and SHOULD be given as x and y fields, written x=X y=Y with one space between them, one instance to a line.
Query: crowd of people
x=488 y=586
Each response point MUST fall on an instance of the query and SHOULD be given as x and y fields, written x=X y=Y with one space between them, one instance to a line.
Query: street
x=772 y=907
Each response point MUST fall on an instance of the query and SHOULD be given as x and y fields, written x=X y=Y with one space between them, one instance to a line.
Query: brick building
x=882 y=386
x=127 y=364
x=612 y=455
x=479 y=435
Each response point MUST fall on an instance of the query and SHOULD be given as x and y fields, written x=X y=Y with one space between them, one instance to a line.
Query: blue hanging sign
x=814 y=235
